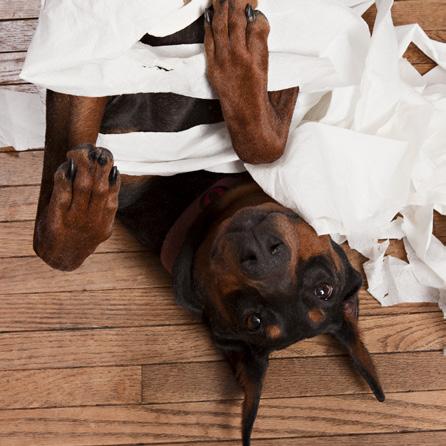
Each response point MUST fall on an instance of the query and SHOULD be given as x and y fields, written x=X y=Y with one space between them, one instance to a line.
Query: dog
x=260 y=276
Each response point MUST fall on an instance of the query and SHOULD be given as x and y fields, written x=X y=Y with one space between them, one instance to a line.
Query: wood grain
x=99 y=272
x=18 y=203
x=191 y=343
x=19 y=9
x=16 y=34
x=424 y=68
x=92 y=309
x=16 y=240
x=70 y=387
x=21 y=168
x=402 y=372
x=108 y=347
x=429 y=14
x=290 y=417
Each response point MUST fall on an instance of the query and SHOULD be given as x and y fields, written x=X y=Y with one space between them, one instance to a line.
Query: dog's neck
x=176 y=236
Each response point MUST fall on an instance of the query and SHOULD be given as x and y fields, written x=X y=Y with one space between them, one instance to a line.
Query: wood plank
x=18 y=203
x=401 y=372
x=19 y=9
x=99 y=272
x=110 y=347
x=191 y=343
x=70 y=387
x=424 y=68
x=16 y=34
x=370 y=306
x=429 y=14
x=91 y=309
x=21 y=168
x=396 y=439
x=193 y=422
x=16 y=240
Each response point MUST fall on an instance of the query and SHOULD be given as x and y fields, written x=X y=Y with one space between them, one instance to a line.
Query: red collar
x=176 y=236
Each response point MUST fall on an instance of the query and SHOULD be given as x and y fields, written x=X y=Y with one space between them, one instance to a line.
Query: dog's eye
x=253 y=322
x=323 y=291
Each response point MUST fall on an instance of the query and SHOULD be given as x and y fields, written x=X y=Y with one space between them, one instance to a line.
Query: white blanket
x=368 y=138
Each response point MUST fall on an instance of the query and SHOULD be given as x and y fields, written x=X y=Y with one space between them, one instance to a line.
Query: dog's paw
x=236 y=48
x=82 y=208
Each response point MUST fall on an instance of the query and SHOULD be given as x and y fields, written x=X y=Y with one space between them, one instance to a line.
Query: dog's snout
x=261 y=253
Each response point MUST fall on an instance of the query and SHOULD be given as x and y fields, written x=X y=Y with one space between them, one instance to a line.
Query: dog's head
x=263 y=279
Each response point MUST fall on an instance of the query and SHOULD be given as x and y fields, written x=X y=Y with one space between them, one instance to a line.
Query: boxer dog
x=259 y=276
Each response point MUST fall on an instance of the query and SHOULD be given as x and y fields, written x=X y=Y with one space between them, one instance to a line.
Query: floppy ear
x=348 y=334
x=183 y=281
x=249 y=368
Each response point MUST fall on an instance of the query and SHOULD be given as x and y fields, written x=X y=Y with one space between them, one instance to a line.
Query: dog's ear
x=249 y=368
x=183 y=280
x=348 y=334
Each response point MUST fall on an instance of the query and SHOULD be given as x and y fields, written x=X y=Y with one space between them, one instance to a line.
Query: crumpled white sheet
x=368 y=137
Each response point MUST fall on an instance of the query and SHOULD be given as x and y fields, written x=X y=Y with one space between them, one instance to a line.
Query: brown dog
x=258 y=274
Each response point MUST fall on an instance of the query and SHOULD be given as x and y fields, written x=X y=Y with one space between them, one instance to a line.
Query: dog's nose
x=262 y=253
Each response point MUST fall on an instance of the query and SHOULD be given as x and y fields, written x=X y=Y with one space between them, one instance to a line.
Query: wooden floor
x=102 y=356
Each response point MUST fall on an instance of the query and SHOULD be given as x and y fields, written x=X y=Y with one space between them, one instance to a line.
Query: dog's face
x=267 y=280
x=263 y=280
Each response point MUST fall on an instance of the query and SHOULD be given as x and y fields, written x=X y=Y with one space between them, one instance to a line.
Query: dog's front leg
x=79 y=192
x=237 y=62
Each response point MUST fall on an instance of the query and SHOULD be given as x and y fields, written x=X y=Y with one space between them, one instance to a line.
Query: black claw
x=113 y=175
x=102 y=161
x=71 y=171
x=208 y=14
x=250 y=16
